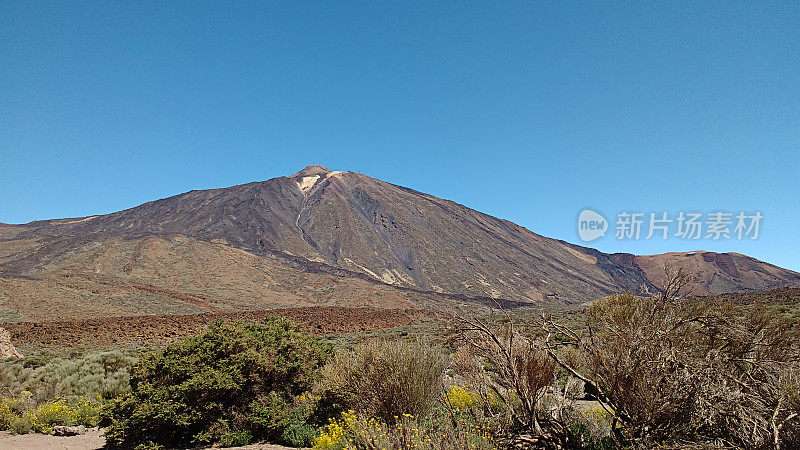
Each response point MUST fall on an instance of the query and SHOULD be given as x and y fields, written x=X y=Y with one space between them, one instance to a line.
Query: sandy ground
x=92 y=440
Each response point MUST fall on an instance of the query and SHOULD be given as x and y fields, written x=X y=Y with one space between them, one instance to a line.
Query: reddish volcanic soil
x=162 y=329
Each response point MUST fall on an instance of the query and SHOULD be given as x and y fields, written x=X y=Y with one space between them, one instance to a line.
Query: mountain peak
x=344 y=223
x=312 y=170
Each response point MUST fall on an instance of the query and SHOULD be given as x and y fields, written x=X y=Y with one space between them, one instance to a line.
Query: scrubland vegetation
x=45 y=389
x=634 y=372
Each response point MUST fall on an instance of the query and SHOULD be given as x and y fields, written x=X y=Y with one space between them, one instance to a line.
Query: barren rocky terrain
x=160 y=329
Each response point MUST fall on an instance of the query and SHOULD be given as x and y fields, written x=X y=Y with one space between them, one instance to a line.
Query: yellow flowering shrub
x=341 y=433
x=460 y=399
x=86 y=412
x=20 y=418
x=45 y=416
x=6 y=413
x=331 y=437
x=352 y=431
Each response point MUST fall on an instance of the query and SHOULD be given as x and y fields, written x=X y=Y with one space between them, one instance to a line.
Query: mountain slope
x=350 y=225
x=718 y=273
x=115 y=277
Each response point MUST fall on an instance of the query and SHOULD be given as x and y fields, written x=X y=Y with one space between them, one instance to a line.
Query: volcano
x=320 y=237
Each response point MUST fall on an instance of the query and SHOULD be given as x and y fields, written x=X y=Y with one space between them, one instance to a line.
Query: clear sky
x=530 y=111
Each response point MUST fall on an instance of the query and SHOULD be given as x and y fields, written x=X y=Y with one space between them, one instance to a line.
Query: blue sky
x=530 y=111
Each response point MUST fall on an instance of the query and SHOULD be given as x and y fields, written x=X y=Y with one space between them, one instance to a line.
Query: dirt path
x=92 y=440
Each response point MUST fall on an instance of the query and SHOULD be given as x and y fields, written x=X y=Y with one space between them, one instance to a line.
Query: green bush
x=235 y=383
x=236 y=438
x=21 y=425
x=300 y=434
x=299 y=420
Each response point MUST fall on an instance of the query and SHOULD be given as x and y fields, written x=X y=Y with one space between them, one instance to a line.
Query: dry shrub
x=386 y=379
x=636 y=353
x=465 y=363
x=685 y=371
x=517 y=371
x=668 y=371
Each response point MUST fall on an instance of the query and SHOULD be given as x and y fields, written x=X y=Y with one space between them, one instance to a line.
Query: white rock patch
x=306 y=183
